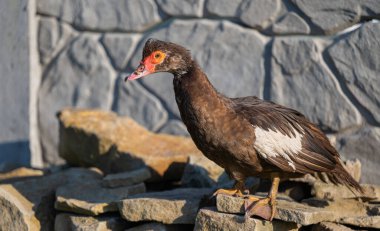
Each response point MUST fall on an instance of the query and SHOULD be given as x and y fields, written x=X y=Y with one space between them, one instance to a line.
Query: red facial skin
x=147 y=66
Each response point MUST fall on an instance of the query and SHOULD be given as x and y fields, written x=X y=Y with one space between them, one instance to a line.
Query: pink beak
x=138 y=73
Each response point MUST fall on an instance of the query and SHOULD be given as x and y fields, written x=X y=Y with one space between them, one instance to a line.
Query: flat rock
x=20 y=173
x=92 y=199
x=363 y=222
x=80 y=76
x=290 y=23
x=303 y=214
x=189 y=8
x=119 y=47
x=366 y=142
x=177 y=206
x=259 y=14
x=223 y=8
x=330 y=226
x=113 y=15
x=330 y=17
x=208 y=219
x=201 y=172
x=300 y=81
x=73 y=222
x=126 y=178
x=117 y=144
x=133 y=100
x=214 y=53
x=155 y=226
x=27 y=204
x=357 y=60
x=174 y=127
x=333 y=192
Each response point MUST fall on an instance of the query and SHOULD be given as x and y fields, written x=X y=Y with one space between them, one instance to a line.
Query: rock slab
x=92 y=199
x=303 y=214
x=177 y=206
x=73 y=222
x=117 y=144
x=126 y=178
x=208 y=219
x=27 y=204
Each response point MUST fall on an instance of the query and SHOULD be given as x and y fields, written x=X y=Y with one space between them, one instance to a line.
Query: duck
x=246 y=136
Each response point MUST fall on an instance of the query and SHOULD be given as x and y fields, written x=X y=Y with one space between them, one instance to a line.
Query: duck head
x=160 y=56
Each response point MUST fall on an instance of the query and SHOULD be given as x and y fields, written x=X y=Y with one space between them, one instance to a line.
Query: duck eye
x=158 y=57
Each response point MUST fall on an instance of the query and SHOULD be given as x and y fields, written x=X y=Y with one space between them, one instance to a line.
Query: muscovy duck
x=246 y=136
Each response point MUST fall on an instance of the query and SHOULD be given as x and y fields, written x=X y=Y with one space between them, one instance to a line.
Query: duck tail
x=340 y=176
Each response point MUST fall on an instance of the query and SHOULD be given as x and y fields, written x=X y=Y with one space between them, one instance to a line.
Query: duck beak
x=141 y=71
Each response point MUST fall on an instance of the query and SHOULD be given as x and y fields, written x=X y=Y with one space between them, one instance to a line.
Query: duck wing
x=285 y=138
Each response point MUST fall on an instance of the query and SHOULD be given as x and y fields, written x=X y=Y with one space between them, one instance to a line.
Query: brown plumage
x=246 y=136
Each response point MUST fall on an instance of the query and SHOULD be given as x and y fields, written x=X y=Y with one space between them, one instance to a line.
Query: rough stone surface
x=177 y=206
x=259 y=14
x=201 y=172
x=126 y=178
x=20 y=173
x=213 y=44
x=188 y=8
x=175 y=127
x=300 y=213
x=79 y=77
x=363 y=222
x=27 y=205
x=208 y=219
x=329 y=226
x=120 y=47
x=357 y=60
x=226 y=8
x=116 y=144
x=366 y=142
x=291 y=23
x=92 y=199
x=155 y=226
x=113 y=15
x=72 y=222
x=300 y=81
x=52 y=36
x=333 y=192
x=330 y=17
x=135 y=101
x=370 y=8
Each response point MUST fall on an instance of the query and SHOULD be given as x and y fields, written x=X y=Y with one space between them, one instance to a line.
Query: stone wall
x=319 y=57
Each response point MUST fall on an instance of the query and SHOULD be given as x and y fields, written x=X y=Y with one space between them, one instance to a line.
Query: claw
x=264 y=208
x=230 y=192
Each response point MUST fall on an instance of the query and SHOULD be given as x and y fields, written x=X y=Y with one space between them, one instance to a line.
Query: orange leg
x=263 y=207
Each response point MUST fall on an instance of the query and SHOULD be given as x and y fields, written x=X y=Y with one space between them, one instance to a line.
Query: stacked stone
x=323 y=67
x=65 y=198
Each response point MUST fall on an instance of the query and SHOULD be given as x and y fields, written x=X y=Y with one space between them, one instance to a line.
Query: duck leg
x=264 y=207
x=237 y=190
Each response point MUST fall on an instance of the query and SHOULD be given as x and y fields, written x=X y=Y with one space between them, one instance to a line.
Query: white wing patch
x=273 y=143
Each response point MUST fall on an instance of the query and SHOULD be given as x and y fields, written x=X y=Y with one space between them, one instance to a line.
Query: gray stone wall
x=319 y=57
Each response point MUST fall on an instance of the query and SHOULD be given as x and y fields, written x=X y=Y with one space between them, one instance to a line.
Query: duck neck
x=194 y=93
x=193 y=84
